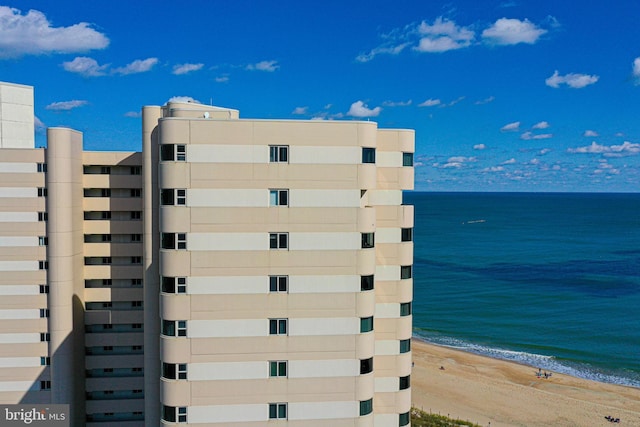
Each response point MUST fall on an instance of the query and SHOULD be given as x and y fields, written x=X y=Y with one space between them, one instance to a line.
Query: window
x=366 y=366
x=407 y=159
x=182 y=328
x=174 y=371
x=43 y=216
x=135 y=192
x=105 y=215
x=136 y=237
x=170 y=152
x=45 y=336
x=278 y=240
x=278 y=326
x=106 y=237
x=136 y=304
x=278 y=411
x=368 y=240
x=135 y=170
x=45 y=385
x=172 y=285
x=42 y=167
x=279 y=153
x=42 y=192
x=404 y=419
x=174 y=414
x=405 y=309
x=106 y=260
x=43 y=265
x=136 y=260
x=406 y=234
x=182 y=371
x=136 y=282
x=405 y=346
x=45 y=361
x=368 y=155
x=171 y=197
x=405 y=382
x=405 y=272
x=278 y=368
x=43 y=241
x=182 y=285
x=366 y=324
x=182 y=240
x=44 y=289
x=366 y=407
x=366 y=283
x=136 y=214
x=168 y=241
x=105 y=170
x=105 y=192
x=107 y=282
x=278 y=283
x=278 y=197
x=169 y=328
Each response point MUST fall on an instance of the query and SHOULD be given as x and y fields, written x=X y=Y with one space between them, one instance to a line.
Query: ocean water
x=546 y=279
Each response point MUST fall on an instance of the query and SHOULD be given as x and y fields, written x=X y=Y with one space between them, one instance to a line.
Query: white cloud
x=590 y=133
x=430 y=103
x=133 y=114
x=544 y=151
x=626 y=149
x=360 y=109
x=535 y=161
x=183 y=99
x=396 y=103
x=66 y=105
x=39 y=125
x=514 y=126
x=391 y=50
x=573 y=80
x=180 y=69
x=486 y=100
x=87 y=67
x=300 y=110
x=541 y=125
x=452 y=103
x=493 y=169
x=443 y=35
x=461 y=159
x=268 y=66
x=636 y=71
x=222 y=79
x=528 y=136
x=512 y=31
x=32 y=34
x=137 y=66
x=479 y=147
x=511 y=161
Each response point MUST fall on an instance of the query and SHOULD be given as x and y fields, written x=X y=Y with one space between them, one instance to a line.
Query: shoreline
x=503 y=393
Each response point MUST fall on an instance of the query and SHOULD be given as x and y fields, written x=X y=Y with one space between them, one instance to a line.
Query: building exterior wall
x=232 y=272
x=16 y=116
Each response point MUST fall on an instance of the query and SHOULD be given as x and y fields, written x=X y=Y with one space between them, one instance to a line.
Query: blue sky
x=504 y=95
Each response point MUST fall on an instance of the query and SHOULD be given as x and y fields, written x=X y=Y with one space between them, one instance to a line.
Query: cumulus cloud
x=636 y=71
x=625 y=149
x=590 y=133
x=529 y=135
x=300 y=110
x=511 y=127
x=33 y=34
x=479 y=147
x=486 y=100
x=493 y=169
x=544 y=151
x=87 y=67
x=133 y=114
x=180 y=69
x=511 y=161
x=222 y=79
x=443 y=35
x=396 y=103
x=183 y=99
x=430 y=103
x=573 y=80
x=360 y=109
x=541 y=125
x=137 y=66
x=66 y=105
x=512 y=31
x=268 y=66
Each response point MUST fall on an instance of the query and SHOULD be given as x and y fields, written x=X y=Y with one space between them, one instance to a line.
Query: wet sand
x=497 y=393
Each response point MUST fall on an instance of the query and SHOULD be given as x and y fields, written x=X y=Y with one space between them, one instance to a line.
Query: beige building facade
x=236 y=272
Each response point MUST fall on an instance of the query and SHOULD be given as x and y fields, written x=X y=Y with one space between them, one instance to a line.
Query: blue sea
x=550 y=280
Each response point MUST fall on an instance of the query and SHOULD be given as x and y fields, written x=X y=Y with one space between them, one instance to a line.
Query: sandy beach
x=498 y=393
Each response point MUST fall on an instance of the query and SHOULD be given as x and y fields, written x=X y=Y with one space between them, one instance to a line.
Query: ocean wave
x=544 y=362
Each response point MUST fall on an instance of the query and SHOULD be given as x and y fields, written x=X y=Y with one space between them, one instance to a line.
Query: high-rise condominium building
x=236 y=272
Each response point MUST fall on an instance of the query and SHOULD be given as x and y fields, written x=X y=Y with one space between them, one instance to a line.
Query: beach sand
x=505 y=394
